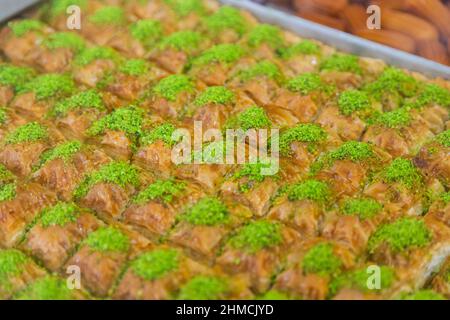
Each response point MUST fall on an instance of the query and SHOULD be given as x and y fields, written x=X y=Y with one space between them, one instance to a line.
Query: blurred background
x=420 y=27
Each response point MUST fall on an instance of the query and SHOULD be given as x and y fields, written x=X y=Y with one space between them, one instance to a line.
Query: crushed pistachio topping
x=215 y=95
x=22 y=27
x=395 y=119
x=274 y=295
x=209 y=211
x=309 y=190
x=108 y=239
x=162 y=132
x=164 y=190
x=84 y=100
x=365 y=208
x=252 y=172
x=308 y=133
x=225 y=53
x=156 y=264
x=135 y=67
x=186 y=7
x=342 y=63
x=3 y=115
x=64 y=151
x=403 y=234
x=204 y=288
x=252 y=118
x=147 y=31
x=126 y=119
x=358 y=279
x=11 y=264
x=352 y=101
x=393 y=81
x=302 y=48
x=50 y=86
x=257 y=235
x=305 y=83
x=423 y=295
x=265 y=34
x=58 y=7
x=321 y=259
x=226 y=18
x=264 y=68
x=433 y=94
x=402 y=171
x=109 y=15
x=15 y=77
x=5 y=174
x=30 y=132
x=444 y=138
x=445 y=197
x=68 y=40
x=89 y=55
x=59 y=215
x=171 y=86
x=116 y=172
x=47 y=288
x=186 y=41
x=7 y=191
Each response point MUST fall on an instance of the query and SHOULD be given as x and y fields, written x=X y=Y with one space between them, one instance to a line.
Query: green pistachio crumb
x=126 y=119
x=162 y=132
x=22 y=27
x=226 y=53
x=58 y=7
x=265 y=34
x=215 y=95
x=30 y=132
x=84 y=100
x=5 y=174
x=47 y=288
x=89 y=55
x=342 y=63
x=11 y=263
x=69 y=40
x=395 y=119
x=252 y=118
x=204 y=288
x=186 y=7
x=64 y=151
x=352 y=101
x=403 y=234
x=135 y=67
x=226 y=18
x=273 y=295
x=148 y=32
x=59 y=215
x=156 y=264
x=7 y=192
x=444 y=138
x=310 y=190
x=402 y=171
x=252 y=172
x=50 y=86
x=109 y=15
x=108 y=239
x=365 y=208
x=305 y=83
x=305 y=47
x=446 y=197
x=423 y=295
x=186 y=41
x=321 y=259
x=209 y=211
x=171 y=86
x=264 y=68
x=116 y=172
x=433 y=94
x=14 y=76
x=257 y=235
x=3 y=115
x=393 y=81
x=308 y=133
x=164 y=190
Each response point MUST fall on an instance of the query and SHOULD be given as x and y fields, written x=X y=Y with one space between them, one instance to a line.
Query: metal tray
x=343 y=41
x=304 y=28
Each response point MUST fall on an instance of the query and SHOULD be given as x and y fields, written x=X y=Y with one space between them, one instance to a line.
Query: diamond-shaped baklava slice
x=312 y=268
x=56 y=233
x=345 y=71
x=108 y=189
x=153 y=211
x=303 y=56
x=16 y=271
x=157 y=274
x=258 y=249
